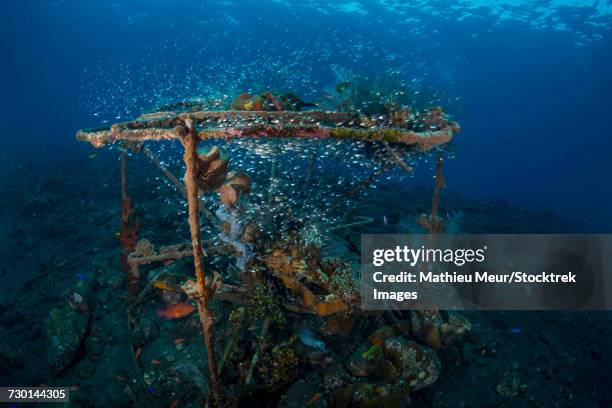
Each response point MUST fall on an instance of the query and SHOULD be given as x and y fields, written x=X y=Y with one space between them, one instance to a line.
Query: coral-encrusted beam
x=101 y=138
x=230 y=124
x=208 y=118
x=190 y=143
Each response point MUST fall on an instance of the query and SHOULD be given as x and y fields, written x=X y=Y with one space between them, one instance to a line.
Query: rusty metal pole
x=123 y=177
x=440 y=183
x=128 y=229
x=190 y=142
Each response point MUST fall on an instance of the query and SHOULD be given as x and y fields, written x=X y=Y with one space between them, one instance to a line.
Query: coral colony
x=289 y=300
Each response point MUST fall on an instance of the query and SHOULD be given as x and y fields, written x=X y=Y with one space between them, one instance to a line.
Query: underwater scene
x=186 y=187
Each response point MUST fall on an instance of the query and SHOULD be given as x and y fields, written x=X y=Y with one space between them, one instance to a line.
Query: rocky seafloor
x=66 y=317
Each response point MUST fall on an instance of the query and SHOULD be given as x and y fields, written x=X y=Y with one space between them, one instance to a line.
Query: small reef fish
x=137 y=353
x=307 y=337
x=314 y=398
x=164 y=286
x=175 y=311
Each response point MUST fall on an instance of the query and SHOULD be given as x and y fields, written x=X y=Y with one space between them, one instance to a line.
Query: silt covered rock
x=396 y=360
x=65 y=329
x=418 y=366
x=11 y=356
x=366 y=395
x=438 y=330
x=302 y=394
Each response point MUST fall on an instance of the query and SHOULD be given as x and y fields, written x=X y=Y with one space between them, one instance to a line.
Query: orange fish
x=179 y=341
x=175 y=311
x=315 y=398
x=174 y=404
x=137 y=353
x=155 y=362
x=164 y=286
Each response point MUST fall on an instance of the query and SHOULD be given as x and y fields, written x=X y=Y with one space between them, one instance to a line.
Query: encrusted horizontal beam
x=228 y=118
x=232 y=124
x=101 y=138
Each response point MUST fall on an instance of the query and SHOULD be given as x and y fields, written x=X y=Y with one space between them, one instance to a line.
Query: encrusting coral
x=266 y=101
x=278 y=124
x=204 y=295
x=437 y=329
x=291 y=267
x=144 y=253
x=212 y=166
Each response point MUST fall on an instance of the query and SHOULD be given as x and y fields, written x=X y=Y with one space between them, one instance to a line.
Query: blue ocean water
x=528 y=81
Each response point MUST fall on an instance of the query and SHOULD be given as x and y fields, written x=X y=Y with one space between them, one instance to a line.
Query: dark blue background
x=534 y=104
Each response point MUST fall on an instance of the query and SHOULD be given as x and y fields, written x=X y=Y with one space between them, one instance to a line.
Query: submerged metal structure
x=192 y=127
x=278 y=124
